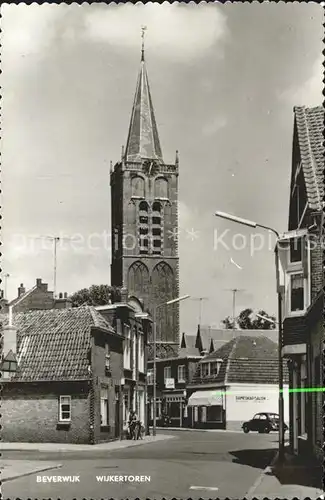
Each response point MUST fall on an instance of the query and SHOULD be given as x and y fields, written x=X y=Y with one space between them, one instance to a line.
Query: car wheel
x=267 y=430
x=246 y=429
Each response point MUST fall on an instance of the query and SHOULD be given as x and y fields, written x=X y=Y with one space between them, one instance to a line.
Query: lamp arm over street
x=250 y=223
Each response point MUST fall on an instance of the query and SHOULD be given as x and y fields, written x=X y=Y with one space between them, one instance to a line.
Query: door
x=255 y=423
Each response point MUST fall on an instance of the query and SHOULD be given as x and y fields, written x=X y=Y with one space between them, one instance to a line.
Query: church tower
x=144 y=197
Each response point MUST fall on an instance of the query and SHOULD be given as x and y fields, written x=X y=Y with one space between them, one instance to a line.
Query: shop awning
x=205 y=398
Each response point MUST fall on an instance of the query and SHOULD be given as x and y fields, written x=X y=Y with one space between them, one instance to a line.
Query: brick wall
x=317 y=275
x=37 y=299
x=110 y=380
x=30 y=413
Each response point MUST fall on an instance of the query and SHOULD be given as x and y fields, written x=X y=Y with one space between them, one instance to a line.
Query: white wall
x=263 y=397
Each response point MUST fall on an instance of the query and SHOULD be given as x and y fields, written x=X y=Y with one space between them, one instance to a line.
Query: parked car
x=263 y=422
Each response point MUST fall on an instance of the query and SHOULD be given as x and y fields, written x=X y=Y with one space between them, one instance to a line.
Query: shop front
x=206 y=409
x=174 y=405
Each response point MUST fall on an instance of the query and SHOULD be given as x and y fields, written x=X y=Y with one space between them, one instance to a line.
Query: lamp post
x=253 y=224
x=173 y=301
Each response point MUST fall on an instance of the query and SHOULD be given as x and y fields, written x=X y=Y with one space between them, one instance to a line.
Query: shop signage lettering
x=250 y=398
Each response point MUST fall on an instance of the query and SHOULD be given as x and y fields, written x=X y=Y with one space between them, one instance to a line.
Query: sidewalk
x=293 y=479
x=12 y=469
x=66 y=447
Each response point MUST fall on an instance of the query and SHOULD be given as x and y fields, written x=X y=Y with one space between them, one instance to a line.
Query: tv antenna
x=200 y=299
x=234 y=293
x=55 y=240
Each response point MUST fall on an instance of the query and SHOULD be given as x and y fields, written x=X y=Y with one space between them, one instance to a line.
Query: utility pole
x=200 y=299
x=234 y=292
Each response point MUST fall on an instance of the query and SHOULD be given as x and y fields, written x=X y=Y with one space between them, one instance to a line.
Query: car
x=263 y=422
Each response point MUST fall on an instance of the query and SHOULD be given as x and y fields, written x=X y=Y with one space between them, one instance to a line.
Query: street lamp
x=169 y=302
x=250 y=223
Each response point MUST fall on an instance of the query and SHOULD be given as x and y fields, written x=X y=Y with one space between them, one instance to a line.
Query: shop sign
x=170 y=383
x=251 y=398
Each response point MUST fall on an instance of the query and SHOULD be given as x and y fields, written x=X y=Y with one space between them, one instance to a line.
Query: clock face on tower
x=150 y=167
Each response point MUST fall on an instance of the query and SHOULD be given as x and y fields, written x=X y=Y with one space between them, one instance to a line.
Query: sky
x=224 y=80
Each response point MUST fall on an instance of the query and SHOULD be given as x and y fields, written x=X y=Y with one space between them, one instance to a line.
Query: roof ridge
x=229 y=358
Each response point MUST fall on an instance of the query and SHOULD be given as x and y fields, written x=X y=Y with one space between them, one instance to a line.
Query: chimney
x=63 y=302
x=9 y=335
x=124 y=294
x=39 y=282
x=21 y=290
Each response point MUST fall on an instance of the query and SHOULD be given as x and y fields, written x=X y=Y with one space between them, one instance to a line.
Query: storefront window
x=214 y=413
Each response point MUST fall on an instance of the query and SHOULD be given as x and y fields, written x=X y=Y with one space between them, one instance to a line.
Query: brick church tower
x=144 y=198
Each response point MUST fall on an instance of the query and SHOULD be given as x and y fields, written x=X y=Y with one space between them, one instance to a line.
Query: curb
x=92 y=448
x=258 y=481
x=17 y=476
x=196 y=430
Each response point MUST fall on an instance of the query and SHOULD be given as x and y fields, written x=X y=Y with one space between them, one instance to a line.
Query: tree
x=246 y=320
x=96 y=295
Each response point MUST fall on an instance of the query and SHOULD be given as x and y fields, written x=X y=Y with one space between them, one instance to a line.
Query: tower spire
x=143 y=30
x=143 y=139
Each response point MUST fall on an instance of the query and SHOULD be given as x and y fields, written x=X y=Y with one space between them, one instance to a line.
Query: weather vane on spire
x=143 y=30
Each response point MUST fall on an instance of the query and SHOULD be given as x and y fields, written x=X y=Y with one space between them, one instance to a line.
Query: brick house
x=62 y=371
x=302 y=281
x=130 y=322
x=36 y=298
x=172 y=377
x=234 y=382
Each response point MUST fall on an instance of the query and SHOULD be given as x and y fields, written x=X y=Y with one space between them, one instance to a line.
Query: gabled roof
x=245 y=359
x=309 y=124
x=22 y=297
x=189 y=349
x=221 y=336
x=143 y=139
x=54 y=344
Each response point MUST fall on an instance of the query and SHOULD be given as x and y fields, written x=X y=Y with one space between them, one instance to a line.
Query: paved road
x=230 y=463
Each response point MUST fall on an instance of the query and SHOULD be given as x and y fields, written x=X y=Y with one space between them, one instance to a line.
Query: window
x=256 y=417
x=205 y=369
x=214 y=368
x=144 y=230
x=214 y=413
x=263 y=417
x=156 y=231
x=143 y=206
x=104 y=406
x=143 y=219
x=295 y=250
x=127 y=348
x=167 y=372
x=65 y=409
x=156 y=220
x=296 y=292
x=141 y=353
x=156 y=207
x=150 y=376
x=181 y=373
x=107 y=358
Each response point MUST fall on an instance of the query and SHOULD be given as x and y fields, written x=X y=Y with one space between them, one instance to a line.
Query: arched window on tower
x=161 y=188
x=156 y=228
x=137 y=187
x=164 y=289
x=138 y=280
x=143 y=227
